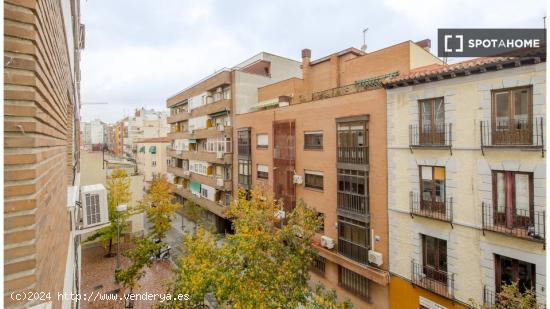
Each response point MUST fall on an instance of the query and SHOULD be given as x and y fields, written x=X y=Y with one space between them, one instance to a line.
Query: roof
x=435 y=72
x=151 y=140
x=346 y=51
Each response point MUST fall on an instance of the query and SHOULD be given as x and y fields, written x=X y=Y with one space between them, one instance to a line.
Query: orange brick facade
x=41 y=150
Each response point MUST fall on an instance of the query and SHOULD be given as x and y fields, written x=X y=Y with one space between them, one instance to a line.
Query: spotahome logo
x=490 y=42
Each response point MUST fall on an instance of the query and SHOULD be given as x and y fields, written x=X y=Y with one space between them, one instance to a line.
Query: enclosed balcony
x=436 y=209
x=429 y=278
x=523 y=223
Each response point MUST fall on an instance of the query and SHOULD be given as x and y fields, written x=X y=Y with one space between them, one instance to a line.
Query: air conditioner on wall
x=327 y=242
x=297 y=179
x=186 y=173
x=94 y=205
x=376 y=258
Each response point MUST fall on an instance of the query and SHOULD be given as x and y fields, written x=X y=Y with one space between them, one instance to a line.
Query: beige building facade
x=152 y=158
x=466 y=181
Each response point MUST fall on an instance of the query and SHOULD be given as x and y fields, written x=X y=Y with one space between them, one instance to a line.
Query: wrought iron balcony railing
x=437 y=281
x=493 y=300
x=439 y=210
x=353 y=251
x=354 y=155
x=431 y=136
x=515 y=133
x=519 y=222
x=354 y=203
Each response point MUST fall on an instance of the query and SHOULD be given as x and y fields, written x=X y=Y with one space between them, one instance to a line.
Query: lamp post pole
x=120 y=208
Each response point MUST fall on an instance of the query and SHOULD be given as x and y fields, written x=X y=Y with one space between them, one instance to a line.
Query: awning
x=219 y=114
x=195 y=186
x=266 y=103
x=142 y=149
x=192 y=141
x=153 y=149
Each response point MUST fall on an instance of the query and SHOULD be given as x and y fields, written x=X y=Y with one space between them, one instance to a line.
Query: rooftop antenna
x=364 y=47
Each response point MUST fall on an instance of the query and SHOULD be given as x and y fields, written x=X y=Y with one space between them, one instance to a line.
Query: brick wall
x=39 y=101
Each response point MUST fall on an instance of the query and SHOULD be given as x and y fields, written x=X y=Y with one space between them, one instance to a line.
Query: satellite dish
x=364 y=47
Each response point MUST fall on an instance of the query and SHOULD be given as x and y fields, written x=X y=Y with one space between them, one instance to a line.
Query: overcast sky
x=139 y=53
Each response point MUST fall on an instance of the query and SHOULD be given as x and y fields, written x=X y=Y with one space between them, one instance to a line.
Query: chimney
x=426 y=44
x=306 y=57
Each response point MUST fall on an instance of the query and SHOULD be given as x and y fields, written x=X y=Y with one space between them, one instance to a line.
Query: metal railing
x=318 y=265
x=519 y=223
x=354 y=155
x=352 y=202
x=437 y=281
x=431 y=136
x=513 y=133
x=353 y=282
x=493 y=300
x=442 y=210
x=353 y=251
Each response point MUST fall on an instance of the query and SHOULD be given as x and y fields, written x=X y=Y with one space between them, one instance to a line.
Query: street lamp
x=120 y=208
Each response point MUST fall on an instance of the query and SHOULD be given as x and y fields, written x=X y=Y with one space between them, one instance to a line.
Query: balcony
x=178 y=117
x=353 y=155
x=211 y=108
x=520 y=134
x=492 y=299
x=203 y=133
x=442 y=211
x=353 y=251
x=178 y=171
x=224 y=185
x=437 y=281
x=352 y=204
x=212 y=157
x=428 y=136
x=524 y=224
x=215 y=207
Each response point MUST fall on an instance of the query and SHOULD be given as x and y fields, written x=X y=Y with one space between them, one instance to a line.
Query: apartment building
x=321 y=137
x=85 y=134
x=42 y=43
x=152 y=158
x=466 y=181
x=97 y=135
x=146 y=123
x=201 y=120
x=120 y=132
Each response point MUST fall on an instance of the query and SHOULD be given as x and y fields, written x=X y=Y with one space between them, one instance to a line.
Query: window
x=510 y=270
x=353 y=142
x=512 y=116
x=313 y=140
x=261 y=141
x=263 y=171
x=243 y=142
x=314 y=180
x=432 y=121
x=204 y=192
x=353 y=239
x=154 y=163
x=512 y=198
x=318 y=265
x=245 y=167
x=432 y=188
x=352 y=190
x=434 y=258
x=321 y=220
x=353 y=282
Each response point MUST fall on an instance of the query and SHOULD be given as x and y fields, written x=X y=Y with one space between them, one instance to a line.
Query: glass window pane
x=439 y=112
x=426 y=115
x=430 y=251
x=502 y=110
x=442 y=254
x=522 y=194
x=521 y=108
x=501 y=192
x=427 y=172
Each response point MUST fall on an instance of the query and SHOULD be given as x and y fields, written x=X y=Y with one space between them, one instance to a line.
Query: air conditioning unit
x=297 y=179
x=186 y=173
x=327 y=242
x=220 y=127
x=94 y=205
x=375 y=258
x=219 y=155
x=179 y=186
x=219 y=182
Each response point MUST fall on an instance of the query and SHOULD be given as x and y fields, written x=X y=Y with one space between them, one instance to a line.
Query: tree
x=159 y=207
x=259 y=265
x=193 y=212
x=510 y=297
x=118 y=192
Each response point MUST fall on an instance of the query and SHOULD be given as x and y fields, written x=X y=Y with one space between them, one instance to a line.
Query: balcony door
x=434 y=258
x=512 y=117
x=432 y=122
x=432 y=188
x=512 y=195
